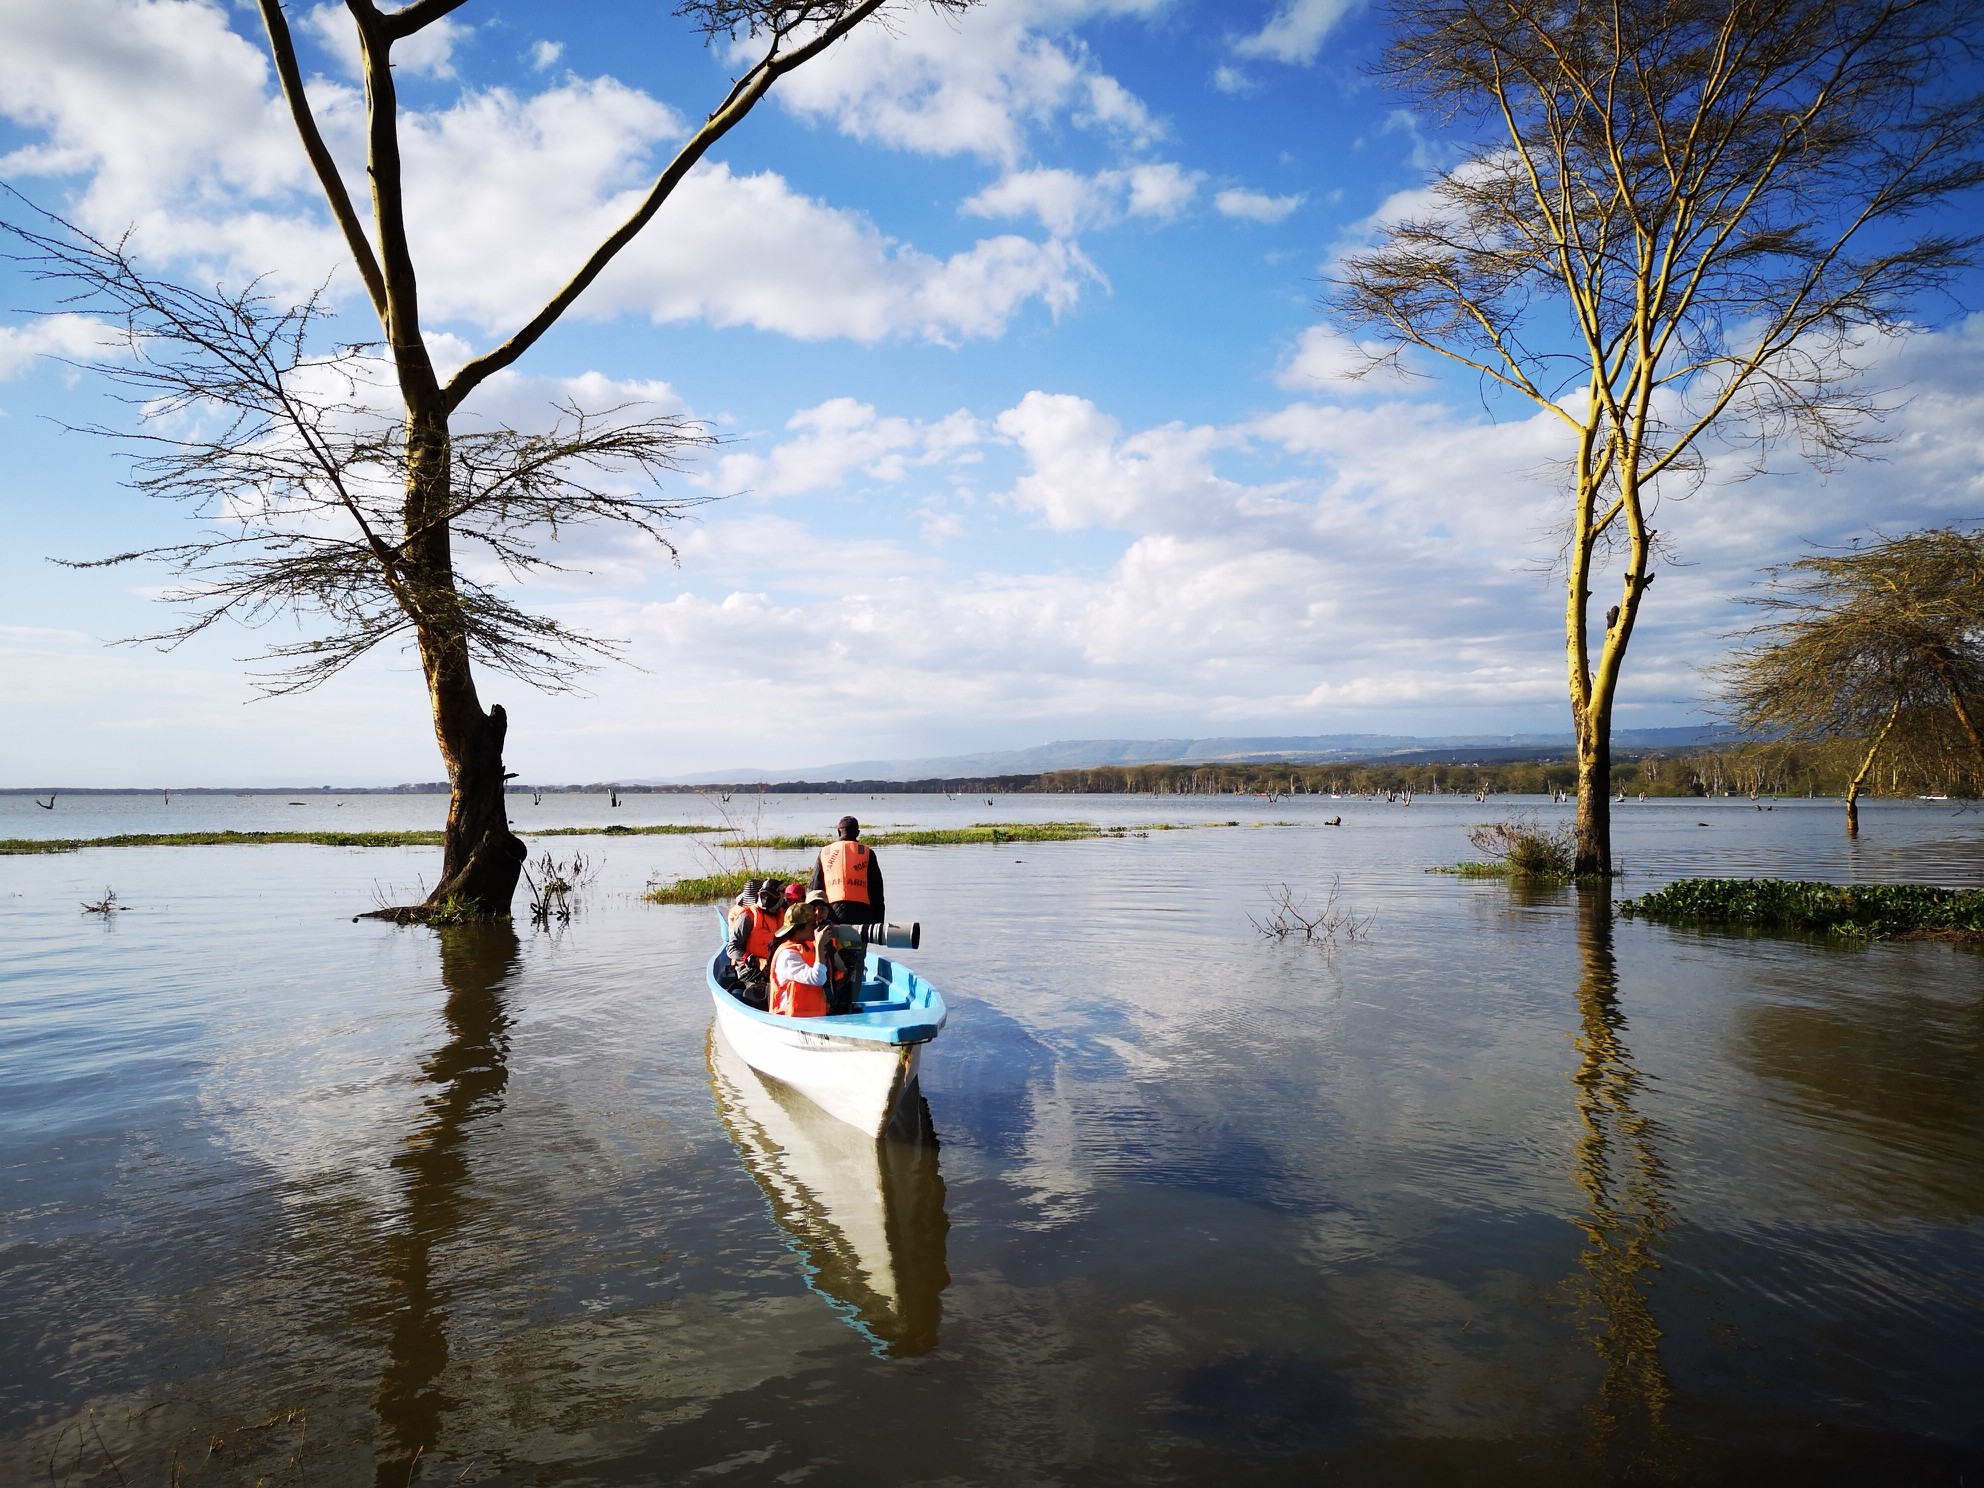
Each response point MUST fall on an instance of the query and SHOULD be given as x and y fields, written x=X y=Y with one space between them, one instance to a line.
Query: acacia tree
x=323 y=513
x=1679 y=223
x=1884 y=645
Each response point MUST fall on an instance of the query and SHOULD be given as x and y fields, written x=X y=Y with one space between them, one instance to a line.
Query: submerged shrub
x=1290 y=918
x=1524 y=847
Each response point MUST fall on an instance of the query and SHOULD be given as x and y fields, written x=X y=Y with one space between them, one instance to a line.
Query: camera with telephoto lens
x=890 y=937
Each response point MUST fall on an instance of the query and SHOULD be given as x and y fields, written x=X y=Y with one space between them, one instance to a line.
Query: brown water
x=1510 y=1192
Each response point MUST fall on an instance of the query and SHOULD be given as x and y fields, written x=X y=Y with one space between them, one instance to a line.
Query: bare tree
x=1884 y=645
x=1681 y=222
x=323 y=509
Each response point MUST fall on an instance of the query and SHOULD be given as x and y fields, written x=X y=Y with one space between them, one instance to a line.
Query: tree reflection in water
x=468 y=1074
x=1626 y=1190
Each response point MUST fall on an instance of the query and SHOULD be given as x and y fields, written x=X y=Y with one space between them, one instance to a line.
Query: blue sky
x=1007 y=324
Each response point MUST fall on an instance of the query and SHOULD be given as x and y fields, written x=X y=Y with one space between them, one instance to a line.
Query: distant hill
x=1077 y=754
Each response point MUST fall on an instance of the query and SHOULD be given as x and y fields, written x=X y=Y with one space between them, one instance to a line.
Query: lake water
x=1508 y=1191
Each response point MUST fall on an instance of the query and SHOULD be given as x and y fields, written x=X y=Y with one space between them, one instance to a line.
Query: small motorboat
x=864 y=1216
x=856 y=1066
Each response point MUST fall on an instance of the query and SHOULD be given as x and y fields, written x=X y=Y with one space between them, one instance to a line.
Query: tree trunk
x=1594 y=818
x=482 y=859
x=1594 y=687
x=1866 y=767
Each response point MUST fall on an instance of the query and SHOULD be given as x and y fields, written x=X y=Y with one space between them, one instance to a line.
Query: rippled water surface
x=1506 y=1192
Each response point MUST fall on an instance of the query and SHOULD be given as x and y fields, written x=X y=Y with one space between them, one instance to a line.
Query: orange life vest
x=844 y=866
x=798 y=999
x=764 y=927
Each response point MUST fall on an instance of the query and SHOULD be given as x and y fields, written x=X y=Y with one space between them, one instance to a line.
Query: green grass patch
x=1854 y=913
x=1057 y=831
x=715 y=888
x=29 y=845
x=1479 y=870
x=991 y=832
x=959 y=836
x=455 y=910
x=616 y=830
x=25 y=846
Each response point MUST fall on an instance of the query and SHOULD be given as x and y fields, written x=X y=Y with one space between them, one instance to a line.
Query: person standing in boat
x=848 y=874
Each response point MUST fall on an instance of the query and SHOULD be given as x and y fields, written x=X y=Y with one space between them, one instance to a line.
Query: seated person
x=846 y=963
x=754 y=924
x=802 y=963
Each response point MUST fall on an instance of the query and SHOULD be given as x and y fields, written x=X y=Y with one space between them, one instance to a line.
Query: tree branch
x=408 y=19
x=742 y=98
x=283 y=48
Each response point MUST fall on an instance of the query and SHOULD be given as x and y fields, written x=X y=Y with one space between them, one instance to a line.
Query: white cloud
x=1065 y=201
x=170 y=120
x=521 y=400
x=978 y=85
x=748 y=250
x=1325 y=358
x=1295 y=32
x=548 y=176
x=1428 y=202
x=1384 y=569
x=545 y=54
x=837 y=438
x=1255 y=206
x=1115 y=109
x=1163 y=189
x=1086 y=474
x=1427 y=154
x=1230 y=79
x=1226 y=597
x=153 y=104
x=75 y=336
x=429 y=52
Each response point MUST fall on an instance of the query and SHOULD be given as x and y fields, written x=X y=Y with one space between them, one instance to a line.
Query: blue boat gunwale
x=885 y=1023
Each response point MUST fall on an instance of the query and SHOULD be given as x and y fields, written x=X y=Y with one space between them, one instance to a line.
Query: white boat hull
x=857 y=1081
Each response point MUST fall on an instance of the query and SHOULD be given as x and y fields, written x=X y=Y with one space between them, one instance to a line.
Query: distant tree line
x=1783 y=768
x=1780 y=769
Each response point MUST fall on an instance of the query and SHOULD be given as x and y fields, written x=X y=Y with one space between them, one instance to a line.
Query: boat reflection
x=1626 y=1188
x=468 y=1073
x=865 y=1214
